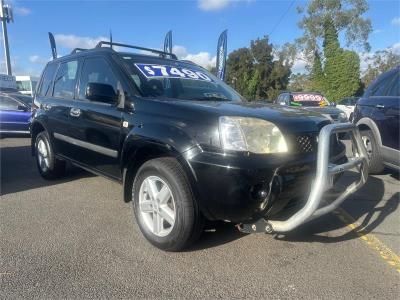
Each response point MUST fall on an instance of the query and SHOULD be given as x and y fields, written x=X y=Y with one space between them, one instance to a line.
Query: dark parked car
x=377 y=116
x=312 y=101
x=15 y=113
x=185 y=146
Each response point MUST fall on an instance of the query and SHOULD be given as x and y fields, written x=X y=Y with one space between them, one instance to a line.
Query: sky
x=196 y=25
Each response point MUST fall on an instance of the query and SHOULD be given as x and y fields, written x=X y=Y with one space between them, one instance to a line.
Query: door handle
x=380 y=106
x=74 y=112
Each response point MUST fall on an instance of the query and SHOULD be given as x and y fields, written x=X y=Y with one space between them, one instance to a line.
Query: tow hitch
x=322 y=182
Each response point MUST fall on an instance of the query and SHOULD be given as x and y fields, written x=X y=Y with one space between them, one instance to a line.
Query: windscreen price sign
x=167 y=71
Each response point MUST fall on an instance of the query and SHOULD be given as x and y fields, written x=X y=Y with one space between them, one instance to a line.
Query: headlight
x=342 y=117
x=251 y=134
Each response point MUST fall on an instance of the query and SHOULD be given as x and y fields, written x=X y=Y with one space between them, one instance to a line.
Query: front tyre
x=49 y=167
x=165 y=208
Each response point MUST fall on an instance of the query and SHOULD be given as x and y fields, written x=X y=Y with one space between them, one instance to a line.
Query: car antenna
x=53 y=45
x=111 y=42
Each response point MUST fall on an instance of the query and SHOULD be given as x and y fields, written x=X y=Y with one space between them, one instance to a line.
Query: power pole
x=6 y=16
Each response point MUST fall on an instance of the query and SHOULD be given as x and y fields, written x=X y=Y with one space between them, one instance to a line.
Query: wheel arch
x=369 y=124
x=36 y=128
x=138 y=156
x=155 y=142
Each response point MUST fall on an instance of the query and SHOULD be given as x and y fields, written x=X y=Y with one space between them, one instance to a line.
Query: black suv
x=185 y=146
x=377 y=115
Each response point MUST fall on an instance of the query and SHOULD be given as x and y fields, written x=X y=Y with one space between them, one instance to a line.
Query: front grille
x=305 y=143
x=308 y=143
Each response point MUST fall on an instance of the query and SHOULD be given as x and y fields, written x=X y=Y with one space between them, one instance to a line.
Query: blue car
x=15 y=113
x=377 y=115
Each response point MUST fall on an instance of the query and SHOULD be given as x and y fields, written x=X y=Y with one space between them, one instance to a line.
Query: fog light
x=259 y=192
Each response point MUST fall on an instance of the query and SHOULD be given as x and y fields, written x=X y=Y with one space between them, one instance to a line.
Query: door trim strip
x=86 y=145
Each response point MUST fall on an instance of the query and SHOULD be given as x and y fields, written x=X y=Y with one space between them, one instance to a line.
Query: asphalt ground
x=76 y=238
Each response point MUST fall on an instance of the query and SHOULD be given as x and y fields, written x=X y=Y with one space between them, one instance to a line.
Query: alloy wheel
x=43 y=155
x=367 y=144
x=157 y=206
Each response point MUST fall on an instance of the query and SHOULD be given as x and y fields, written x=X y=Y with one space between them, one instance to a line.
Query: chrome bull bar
x=324 y=178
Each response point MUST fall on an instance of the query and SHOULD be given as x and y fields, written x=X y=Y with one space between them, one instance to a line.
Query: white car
x=347 y=105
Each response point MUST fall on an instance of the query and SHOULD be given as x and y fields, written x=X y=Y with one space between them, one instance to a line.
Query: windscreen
x=308 y=100
x=178 y=80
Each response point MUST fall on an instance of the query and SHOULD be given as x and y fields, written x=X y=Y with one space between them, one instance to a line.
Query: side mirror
x=129 y=104
x=101 y=92
x=22 y=108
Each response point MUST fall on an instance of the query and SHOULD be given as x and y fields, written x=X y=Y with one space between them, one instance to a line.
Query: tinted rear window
x=65 y=81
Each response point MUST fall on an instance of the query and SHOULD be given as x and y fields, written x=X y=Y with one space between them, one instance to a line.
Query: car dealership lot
x=76 y=238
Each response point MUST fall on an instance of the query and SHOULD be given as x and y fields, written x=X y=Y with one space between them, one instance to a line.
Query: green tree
x=299 y=83
x=342 y=67
x=259 y=72
x=347 y=17
x=317 y=76
x=379 y=63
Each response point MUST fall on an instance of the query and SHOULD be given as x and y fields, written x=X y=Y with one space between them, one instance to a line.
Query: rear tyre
x=164 y=205
x=49 y=167
x=374 y=154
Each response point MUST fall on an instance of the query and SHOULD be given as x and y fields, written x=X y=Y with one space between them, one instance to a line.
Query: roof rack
x=76 y=50
x=161 y=53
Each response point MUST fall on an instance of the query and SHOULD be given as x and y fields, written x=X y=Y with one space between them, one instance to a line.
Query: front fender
x=37 y=124
x=167 y=138
x=158 y=140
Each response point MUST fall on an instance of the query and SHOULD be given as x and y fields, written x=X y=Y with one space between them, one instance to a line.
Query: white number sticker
x=166 y=71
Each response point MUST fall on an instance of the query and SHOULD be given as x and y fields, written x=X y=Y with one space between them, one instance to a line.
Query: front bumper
x=244 y=187
x=323 y=181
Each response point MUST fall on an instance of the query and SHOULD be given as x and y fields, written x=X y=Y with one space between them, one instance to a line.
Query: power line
x=281 y=18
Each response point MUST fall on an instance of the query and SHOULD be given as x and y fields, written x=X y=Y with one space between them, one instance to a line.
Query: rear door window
x=47 y=78
x=65 y=81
